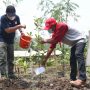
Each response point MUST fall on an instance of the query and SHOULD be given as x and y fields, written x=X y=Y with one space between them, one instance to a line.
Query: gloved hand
x=42 y=41
x=22 y=26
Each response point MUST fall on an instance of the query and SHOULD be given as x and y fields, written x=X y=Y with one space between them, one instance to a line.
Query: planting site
x=51 y=79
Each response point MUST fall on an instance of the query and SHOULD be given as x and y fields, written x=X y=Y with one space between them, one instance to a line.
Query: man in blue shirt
x=10 y=22
x=3 y=56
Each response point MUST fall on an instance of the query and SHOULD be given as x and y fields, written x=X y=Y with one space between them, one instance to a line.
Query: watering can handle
x=21 y=32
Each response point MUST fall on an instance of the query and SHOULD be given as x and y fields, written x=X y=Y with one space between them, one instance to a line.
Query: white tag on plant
x=39 y=70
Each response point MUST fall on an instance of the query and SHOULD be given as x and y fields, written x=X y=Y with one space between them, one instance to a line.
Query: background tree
x=60 y=11
x=11 y=2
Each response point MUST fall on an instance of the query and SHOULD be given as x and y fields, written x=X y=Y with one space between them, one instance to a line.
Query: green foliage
x=88 y=70
x=65 y=56
x=38 y=22
x=18 y=1
x=60 y=10
x=10 y=2
x=35 y=45
x=37 y=59
x=22 y=62
x=39 y=48
x=49 y=63
x=46 y=6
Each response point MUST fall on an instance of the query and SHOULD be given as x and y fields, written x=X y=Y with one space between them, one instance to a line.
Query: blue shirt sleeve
x=4 y=23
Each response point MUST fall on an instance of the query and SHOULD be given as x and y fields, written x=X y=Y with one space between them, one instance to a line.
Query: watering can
x=25 y=41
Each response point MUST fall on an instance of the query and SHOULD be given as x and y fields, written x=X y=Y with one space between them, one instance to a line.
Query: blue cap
x=11 y=14
x=10 y=11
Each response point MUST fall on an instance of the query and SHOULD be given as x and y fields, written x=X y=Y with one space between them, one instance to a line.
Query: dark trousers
x=77 y=62
x=10 y=58
x=3 y=58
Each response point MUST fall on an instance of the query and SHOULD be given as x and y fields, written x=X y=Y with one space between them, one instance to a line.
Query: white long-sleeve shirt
x=73 y=36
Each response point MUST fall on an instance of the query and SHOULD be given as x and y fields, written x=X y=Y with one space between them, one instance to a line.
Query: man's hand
x=43 y=41
x=24 y=26
x=47 y=56
x=21 y=26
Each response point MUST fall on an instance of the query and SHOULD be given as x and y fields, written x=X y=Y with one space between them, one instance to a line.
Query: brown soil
x=47 y=81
